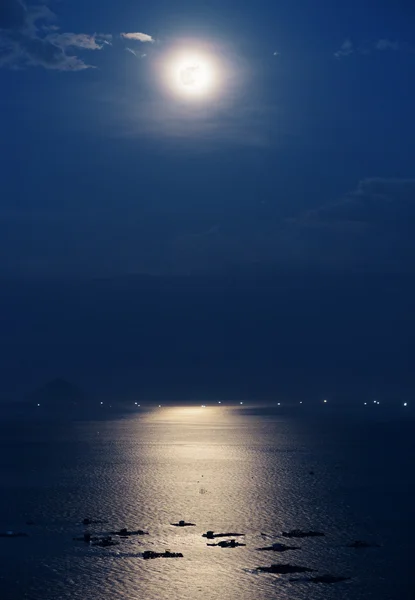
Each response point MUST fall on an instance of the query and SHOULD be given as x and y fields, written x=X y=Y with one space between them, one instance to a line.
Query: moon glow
x=192 y=75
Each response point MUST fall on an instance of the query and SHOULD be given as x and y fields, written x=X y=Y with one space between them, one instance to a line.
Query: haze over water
x=240 y=470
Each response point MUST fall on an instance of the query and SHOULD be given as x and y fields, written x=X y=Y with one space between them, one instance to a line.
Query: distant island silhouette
x=58 y=394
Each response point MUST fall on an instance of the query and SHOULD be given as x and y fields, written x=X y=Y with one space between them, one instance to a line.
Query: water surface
x=255 y=472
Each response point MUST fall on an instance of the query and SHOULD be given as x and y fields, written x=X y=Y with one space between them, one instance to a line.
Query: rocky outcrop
x=227 y=544
x=125 y=533
x=279 y=548
x=148 y=554
x=183 y=524
x=298 y=533
x=105 y=542
x=210 y=535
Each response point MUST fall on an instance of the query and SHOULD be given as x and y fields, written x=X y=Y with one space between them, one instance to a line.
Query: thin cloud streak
x=135 y=53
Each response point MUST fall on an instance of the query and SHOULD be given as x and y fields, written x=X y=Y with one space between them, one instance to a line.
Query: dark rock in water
x=227 y=544
x=125 y=533
x=298 y=533
x=279 y=548
x=285 y=569
x=105 y=542
x=183 y=524
x=12 y=534
x=361 y=544
x=211 y=535
x=167 y=554
x=328 y=579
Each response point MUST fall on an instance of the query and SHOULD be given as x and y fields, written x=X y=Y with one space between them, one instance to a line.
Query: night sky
x=256 y=238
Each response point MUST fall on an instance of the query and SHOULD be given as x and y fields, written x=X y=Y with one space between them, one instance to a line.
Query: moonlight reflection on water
x=222 y=469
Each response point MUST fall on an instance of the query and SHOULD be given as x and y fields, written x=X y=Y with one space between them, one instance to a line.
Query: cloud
x=28 y=39
x=385 y=44
x=377 y=201
x=80 y=40
x=223 y=122
x=345 y=50
x=139 y=37
x=40 y=52
x=369 y=229
x=135 y=53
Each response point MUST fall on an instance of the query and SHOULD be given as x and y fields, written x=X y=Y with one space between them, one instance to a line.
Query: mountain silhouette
x=58 y=393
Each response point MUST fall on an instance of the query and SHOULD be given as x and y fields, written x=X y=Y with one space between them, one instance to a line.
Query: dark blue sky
x=302 y=161
x=103 y=172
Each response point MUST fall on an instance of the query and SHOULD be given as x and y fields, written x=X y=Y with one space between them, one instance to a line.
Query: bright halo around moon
x=192 y=75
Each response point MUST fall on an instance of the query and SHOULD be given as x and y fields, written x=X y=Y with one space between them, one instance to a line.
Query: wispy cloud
x=138 y=37
x=223 y=123
x=135 y=53
x=345 y=49
x=80 y=40
x=370 y=229
x=28 y=37
x=348 y=48
x=385 y=44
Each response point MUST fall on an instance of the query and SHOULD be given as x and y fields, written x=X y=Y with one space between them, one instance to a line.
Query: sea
x=253 y=470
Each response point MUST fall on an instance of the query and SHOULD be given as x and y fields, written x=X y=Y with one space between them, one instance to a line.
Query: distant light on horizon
x=159 y=405
x=365 y=403
x=38 y=404
x=241 y=403
x=101 y=403
x=279 y=403
x=325 y=401
x=219 y=402
x=405 y=404
x=301 y=401
x=203 y=406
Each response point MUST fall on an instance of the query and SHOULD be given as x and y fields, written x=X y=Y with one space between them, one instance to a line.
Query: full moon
x=195 y=75
x=191 y=74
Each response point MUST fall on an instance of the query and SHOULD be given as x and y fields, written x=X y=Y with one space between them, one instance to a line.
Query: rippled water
x=223 y=470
